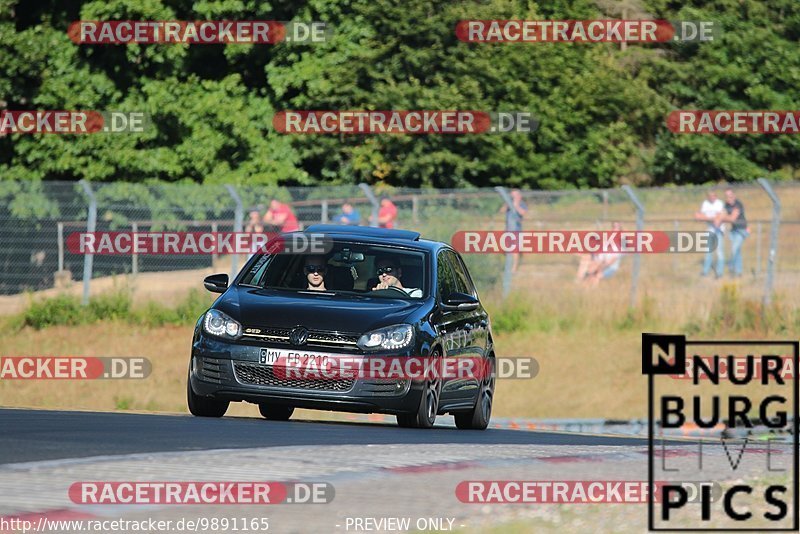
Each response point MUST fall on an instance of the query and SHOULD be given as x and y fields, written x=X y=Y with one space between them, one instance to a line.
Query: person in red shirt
x=281 y=214
x=387 y=213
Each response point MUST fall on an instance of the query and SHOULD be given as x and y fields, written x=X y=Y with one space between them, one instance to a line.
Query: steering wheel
x=395 y=288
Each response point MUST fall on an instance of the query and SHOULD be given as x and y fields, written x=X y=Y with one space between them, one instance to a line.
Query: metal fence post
x=507 y=274
x=415 y=209
x=773 y=238
x=324 y=215
x=758 y=249
x=91 y=226
x=134 y=255
x=238 y=218
x=60 y=246
x=637 y=260
x=214 y=255
x=373 y=200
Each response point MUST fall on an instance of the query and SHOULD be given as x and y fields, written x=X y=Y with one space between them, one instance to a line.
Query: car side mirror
x=460 y=302
x=216 y=283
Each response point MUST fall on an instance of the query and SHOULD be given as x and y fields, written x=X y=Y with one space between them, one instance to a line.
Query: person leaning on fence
x=387 y=213
x=709 y=212
x=254 y=226
x=734 y=214
x=349 y=215
x=281 y=215
x=514 y=220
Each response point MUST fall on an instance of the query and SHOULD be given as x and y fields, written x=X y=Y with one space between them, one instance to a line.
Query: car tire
x=204 y=406
x=425 y=416
x=478 y=418
x=274 y=412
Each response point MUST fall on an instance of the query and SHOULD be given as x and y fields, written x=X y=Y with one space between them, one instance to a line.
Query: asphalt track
x=38 y=435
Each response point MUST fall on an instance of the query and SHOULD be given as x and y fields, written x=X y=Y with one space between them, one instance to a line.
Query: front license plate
x=292 y=358
x=269 y=356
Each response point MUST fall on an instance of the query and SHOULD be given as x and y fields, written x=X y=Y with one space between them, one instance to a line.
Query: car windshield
x=348 y=268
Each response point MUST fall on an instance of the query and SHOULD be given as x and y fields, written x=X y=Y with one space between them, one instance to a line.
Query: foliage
x=117 y=305
x=601 y=109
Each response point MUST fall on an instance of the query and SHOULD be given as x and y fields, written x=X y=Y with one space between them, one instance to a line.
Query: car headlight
x=219 y=324
x=388 y=338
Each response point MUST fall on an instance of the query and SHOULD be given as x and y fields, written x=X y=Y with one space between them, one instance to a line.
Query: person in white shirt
x=389 y=274
x=710 y=212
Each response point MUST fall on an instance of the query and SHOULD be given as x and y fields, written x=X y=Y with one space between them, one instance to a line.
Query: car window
x=255 y=273
x=462 y=277
x=445 y=276
x=347 y=268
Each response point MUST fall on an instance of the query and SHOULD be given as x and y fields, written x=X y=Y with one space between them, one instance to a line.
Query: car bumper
x=232 y=371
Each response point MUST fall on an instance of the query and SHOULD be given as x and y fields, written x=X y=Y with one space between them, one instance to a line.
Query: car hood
x=342 y=313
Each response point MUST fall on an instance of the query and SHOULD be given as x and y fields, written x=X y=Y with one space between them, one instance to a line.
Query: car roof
x=382 y=236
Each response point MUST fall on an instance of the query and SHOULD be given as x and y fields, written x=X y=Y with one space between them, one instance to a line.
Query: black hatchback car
x=373 y=293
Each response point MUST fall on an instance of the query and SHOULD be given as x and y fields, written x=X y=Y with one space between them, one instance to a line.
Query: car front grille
x=316 y=338
x=263 y=375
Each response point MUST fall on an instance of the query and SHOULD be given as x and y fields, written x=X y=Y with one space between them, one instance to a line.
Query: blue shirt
x=353 y=218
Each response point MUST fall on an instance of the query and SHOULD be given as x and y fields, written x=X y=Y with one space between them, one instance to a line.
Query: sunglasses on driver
x=386 y=270
x=320 y=269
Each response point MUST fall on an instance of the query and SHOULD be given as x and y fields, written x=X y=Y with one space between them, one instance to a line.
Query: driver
x=389 y=275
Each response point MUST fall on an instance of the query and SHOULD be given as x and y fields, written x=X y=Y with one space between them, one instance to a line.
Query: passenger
x=315 y=268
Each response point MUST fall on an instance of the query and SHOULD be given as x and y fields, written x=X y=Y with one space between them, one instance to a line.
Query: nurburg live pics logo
x=753 y=473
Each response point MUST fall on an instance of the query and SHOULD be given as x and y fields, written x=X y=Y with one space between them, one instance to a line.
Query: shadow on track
x=35 y=435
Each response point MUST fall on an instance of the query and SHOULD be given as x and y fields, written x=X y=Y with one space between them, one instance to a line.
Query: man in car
x=389 y=274
x=315 y=268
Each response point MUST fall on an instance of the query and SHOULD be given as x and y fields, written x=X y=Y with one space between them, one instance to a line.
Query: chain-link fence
x=38 y=218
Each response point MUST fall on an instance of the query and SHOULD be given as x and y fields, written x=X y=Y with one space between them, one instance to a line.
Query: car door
x=478 y=323
x=474 y=323
x=453 y=329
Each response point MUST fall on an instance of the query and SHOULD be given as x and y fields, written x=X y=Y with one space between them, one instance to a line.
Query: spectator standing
x=349 y=215
x=734 y=214
x=710 y=212
x=254 y=221
x=387 y=214
x=281 y=215
x=514 y=220
x=254 y=226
